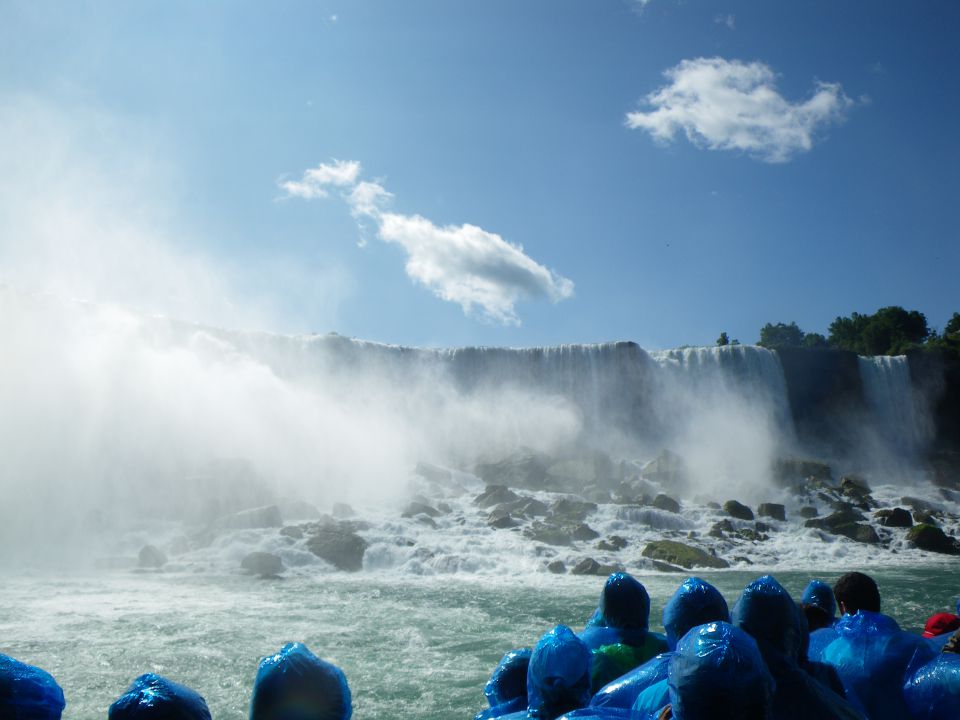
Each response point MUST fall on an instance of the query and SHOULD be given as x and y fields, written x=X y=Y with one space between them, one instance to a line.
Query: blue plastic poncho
x=623 y=692
x=933 y=692
x=558 y=677
x=152 y=697
x=874 y=658
x=295 y=684
x=773 y=619
x=506 y=690
x=28 y=692
x=622 y=614
x=695 y=602
x=717 y=674
x=820 y=594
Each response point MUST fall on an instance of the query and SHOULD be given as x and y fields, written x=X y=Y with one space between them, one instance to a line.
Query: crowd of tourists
x=831 y=656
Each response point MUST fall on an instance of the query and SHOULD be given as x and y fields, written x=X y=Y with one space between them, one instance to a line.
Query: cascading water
x=896 y=412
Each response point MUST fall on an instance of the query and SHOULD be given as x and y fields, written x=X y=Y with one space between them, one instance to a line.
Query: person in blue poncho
x=558 y=676
x=618 y=633
x=717 y=673
x=152 y=697
x=871 y=654
x=28 y=692
x=933 y=691
x=694 y=603
x=295 y=684
x=767 y=612
x=506 y=690
x=819 y=605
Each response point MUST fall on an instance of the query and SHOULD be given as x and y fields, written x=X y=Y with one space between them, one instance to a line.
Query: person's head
x=28 y=692
x=819 y=594
x=295 y=684
x=694 y=603
x=855 y=592
x=558 y=677
x=816 y=617
x=509 y=678
x=717 y=673
x=152 y=697
x=767 y=612
x=940 y=624
x=624 y=602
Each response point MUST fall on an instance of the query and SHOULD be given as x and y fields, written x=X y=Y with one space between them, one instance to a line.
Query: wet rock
x=549 y=534
x=342 y=510
x=665 y=502
x=860 y=532
x=762 y=527
x=495 y=495
x=713 y=505
x=339 y=546
x=657 y=519
x=678 y=553
x=835 y=520
x=419 y=508
x=667 y=468
x=808 y=511
x=500 y=519
x=738 y=510
x=262 y=517
x=151 y=556
x=612 y=544
x=531 y=507
x=295 y=532
x=522 y=469
x=933 y=539
x=423 y=519
x=773 y=510
x=263 y=564
x=896 y=517
x=570 y=510
x=597 y=495
x=629 y=492
x=589 y=566
x=584 y=532
x=666 y=567
x=297 y=510
x=924 y=517
x=557 y=567
x=854 y=486
x=721 y=528
x=751 y=535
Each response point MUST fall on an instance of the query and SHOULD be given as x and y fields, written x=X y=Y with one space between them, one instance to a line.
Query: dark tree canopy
x=780 y=335
x=723 y=339
x=889 y=331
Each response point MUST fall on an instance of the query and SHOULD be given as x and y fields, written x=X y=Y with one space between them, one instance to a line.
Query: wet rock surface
x=263 y=564
x=678 y=553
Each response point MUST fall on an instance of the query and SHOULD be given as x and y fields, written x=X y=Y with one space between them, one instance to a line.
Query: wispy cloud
x=729 y=20
x=464 y=264
x=316 y=181
x=731 y=105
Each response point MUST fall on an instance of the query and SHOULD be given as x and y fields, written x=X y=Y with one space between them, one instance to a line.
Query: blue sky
x=670 y=169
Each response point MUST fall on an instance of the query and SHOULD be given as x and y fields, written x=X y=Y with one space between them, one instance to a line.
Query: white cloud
x=316 y=181
x=470 y=266
x=464 y=264
x=731 y=105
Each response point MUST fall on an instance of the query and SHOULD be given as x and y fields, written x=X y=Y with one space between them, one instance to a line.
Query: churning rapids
x=184 y=499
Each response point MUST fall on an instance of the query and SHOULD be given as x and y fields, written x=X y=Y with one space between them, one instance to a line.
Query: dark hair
x=817 y=617
x=857 y=591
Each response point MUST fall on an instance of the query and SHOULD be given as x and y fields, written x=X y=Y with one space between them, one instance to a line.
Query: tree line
x=889 y=331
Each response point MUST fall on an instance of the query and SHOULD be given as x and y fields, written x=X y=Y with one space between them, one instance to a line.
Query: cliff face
x=936 y=376
x=826 y=397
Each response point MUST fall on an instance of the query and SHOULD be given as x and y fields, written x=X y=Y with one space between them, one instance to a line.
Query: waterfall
x=896 y=413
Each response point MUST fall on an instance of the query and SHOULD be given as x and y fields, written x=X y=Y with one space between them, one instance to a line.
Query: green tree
x=780 y=335
x=723 y=339
x=814 y=340
x=889 y=331
x=953 y=326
